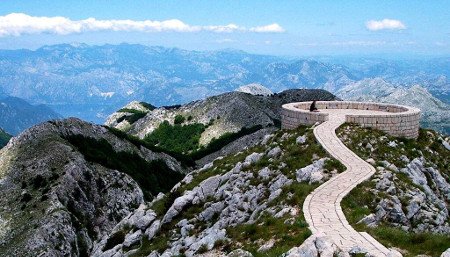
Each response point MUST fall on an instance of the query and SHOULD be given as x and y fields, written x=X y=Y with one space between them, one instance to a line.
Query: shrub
x=115 y=239
x=148 y=106
x=177 y=138
x=135 y=115
x=185 y=160
x=203 y=249
x=179 y=119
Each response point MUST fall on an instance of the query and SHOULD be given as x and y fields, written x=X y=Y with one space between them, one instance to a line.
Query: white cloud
x=384 y=24
x=271 y=28
x=16 y=24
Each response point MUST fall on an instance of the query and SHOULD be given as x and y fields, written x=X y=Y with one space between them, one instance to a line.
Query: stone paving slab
x=322 y=207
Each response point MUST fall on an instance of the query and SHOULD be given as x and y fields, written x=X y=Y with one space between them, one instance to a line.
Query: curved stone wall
x=396 y=120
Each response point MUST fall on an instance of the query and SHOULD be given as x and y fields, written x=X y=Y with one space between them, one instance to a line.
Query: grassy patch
x=177 y=138
x=286 y=235
x=134 y=116
x=414 y=243
x=185 y=160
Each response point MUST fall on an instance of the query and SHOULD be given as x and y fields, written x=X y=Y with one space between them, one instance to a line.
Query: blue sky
x=270 y=27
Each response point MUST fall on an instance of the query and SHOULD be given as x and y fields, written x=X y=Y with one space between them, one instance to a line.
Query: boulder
x=301 y=140
x=252 y=158
x=274 y=152
x=312 y=173
x=239 y=253
x=446 y=253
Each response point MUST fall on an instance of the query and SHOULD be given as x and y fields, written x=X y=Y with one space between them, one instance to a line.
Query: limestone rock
x=252 y=158
x=446 y=253
x=300 y=140
x=275 y=152
x=239 y=253
x=312 y=173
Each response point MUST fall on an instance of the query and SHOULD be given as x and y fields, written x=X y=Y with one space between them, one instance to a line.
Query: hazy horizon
x=282 y=28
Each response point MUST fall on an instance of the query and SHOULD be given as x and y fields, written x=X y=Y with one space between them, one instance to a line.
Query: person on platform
x=313 y=107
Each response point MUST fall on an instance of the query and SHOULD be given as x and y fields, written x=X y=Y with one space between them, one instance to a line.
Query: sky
x=291 y=28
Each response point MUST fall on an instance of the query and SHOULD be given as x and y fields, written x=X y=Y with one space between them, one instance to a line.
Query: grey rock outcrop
x=312 y=173
x=230 y=112
x=55 y=202
x=446 y=253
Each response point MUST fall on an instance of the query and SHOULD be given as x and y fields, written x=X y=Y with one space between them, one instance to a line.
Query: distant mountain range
x=91 y=82
x=17 y=115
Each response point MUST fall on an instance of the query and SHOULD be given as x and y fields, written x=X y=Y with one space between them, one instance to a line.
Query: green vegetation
x=148 y=106
x=135 y=115
x=184 y=139
x=362 y=200
x=266 y=227
x=185 y=160
x=153 y=177
x=179 y=119
x=4 y=138
x=178 y=138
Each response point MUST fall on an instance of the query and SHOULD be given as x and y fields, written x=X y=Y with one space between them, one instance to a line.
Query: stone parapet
x=396 y=120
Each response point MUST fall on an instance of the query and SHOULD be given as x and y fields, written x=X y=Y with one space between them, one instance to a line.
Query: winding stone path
x=322 y=207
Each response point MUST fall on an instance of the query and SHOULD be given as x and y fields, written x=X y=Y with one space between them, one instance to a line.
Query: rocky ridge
x=235 y=206
x=227 y=112
x=254 y=89
x=56 y=198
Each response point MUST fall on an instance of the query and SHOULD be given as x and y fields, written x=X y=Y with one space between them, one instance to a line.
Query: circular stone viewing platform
x=396 y=120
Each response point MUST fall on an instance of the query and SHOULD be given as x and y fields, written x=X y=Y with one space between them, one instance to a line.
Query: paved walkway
x=322 y=207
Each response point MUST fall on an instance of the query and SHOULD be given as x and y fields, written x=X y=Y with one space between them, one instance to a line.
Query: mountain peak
x=255 y=89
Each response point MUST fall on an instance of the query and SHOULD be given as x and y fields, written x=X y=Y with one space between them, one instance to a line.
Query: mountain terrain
x=223 y=113
x=17 y=115
x=65 y=184
x=73 y=188
x=254 y=89
x=406 y=203
x=91 y=82
x=435 y=113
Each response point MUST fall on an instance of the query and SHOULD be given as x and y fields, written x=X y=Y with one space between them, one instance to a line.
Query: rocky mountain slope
x=4 y=138
x=17 y=115
x=242 y=204
x=249 y=203
x=228 y=112
x=406 y=203
x=435 y=113
x=254 y=89
x=65 y=184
